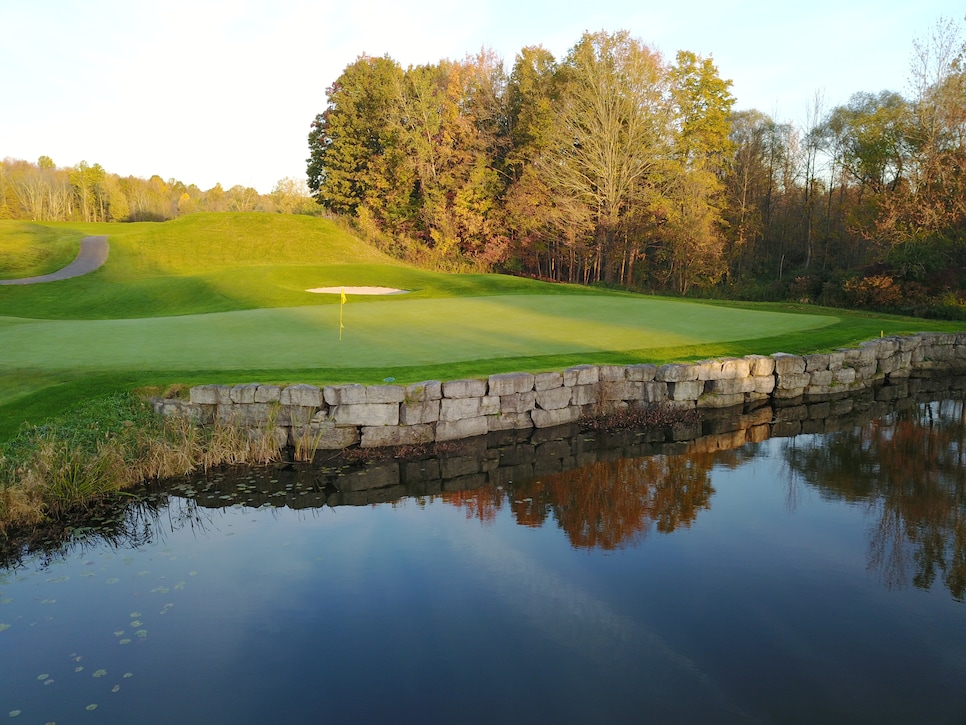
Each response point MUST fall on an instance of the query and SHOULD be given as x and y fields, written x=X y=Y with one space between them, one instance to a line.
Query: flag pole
x=341 y=305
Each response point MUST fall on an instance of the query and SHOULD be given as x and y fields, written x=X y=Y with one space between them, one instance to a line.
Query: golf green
x=397 y=334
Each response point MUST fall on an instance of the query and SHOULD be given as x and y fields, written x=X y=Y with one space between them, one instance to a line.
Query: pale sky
x=212 y=91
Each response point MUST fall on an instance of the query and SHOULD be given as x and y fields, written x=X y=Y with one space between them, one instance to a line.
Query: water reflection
x=607 y=504
x=903 y=459
x=908 y=468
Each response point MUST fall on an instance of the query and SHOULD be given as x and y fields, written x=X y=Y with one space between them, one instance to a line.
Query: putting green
x=397 y=334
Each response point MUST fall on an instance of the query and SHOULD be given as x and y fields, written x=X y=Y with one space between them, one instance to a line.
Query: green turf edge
x=38 y=398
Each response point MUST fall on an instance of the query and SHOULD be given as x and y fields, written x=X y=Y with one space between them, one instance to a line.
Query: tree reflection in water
x=608 y=504
x=910 y=469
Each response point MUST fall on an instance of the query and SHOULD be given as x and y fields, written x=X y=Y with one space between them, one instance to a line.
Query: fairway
x=398 y=334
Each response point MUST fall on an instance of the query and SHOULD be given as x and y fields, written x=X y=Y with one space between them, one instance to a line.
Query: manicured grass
x=31 y=250
x=396 y=333
x=221 y=298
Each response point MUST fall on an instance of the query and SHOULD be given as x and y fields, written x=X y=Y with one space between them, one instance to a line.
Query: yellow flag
x=340 y=313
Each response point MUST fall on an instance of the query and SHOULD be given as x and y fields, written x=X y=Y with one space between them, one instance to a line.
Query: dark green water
x=813 y=578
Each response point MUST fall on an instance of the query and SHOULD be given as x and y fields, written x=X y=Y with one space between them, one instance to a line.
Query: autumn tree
x=694 y=196
x=610 y=136
x=355 y=154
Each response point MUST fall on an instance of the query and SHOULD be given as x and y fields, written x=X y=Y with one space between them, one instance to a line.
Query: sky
x=212 y=91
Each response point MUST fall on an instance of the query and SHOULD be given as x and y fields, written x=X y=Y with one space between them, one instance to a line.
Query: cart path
x=92 y=254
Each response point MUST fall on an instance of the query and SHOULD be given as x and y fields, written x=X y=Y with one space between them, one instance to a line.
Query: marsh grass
x=108 y=445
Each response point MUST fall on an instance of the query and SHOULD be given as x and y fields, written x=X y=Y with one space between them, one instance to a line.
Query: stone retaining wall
x=337 y=416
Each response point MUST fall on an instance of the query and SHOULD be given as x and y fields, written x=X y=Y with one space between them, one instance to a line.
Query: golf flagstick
x=341 y=305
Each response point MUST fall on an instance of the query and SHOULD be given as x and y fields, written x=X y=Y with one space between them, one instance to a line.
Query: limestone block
x=821 y=377
x=909 y=343
x=253 y=415
x=426 y=390
x=398 y=435
x=865 y=372
x=611 y=373
x=371 y=414
x=655 y=392
x=719 y=400
x=843 y=376
x=509 y=421
x=451 y=409
x=268 y=394
x=243 y=393
x=350 y=394
x=786 y=364
x=731 y=386
x=814 y=363
x=643 y=373
x=426 y=411
x=543 y=418
x=554 y=398
x=581 y=375
x=707 y=369
x=385 y=394
x=518 y=402
x=452 y=430
x=764 y=384
x=735 y=368
x=686 y=390
x=305 y=396
x=209 y=395
x=836 y=360
x=295 y=414
x=464 y=389
x=676 y=373
x=510 y=383
x=787 y=393
x=866 y=355
x=884 y=346
x=490 y=405
x=760 y=365
x=325 y=436
x=547 y=381
x=888 y=364
x=624 y=390
x=584 y=395
x=789 y=381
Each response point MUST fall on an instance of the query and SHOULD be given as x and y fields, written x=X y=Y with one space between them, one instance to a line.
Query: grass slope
x=31 y=250
x=222 y=298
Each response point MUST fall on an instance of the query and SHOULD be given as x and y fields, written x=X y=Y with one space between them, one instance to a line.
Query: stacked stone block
x=337 y=416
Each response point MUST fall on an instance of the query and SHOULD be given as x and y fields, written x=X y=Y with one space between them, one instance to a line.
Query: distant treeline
x=43 y=192
x=616 y=165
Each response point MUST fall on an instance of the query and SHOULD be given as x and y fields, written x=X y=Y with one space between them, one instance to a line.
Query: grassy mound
x=31 y=250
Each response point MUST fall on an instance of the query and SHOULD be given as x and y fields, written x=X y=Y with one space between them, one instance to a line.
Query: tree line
x=42 y=191
x=615 y=165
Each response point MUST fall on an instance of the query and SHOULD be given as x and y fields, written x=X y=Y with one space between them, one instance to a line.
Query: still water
x=748 y=575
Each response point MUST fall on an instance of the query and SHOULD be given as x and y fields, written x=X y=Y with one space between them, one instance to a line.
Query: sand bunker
x=358 y=290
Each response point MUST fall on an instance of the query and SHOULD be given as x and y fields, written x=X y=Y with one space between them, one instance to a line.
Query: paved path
x=92 y=254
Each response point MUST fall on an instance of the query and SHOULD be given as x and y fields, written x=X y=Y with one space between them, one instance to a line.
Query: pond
x=720 y=571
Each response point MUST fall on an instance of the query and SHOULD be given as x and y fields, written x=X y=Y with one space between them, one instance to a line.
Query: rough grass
x=103 y=446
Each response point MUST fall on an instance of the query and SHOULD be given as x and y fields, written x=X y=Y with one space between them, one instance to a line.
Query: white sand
x=358 y=290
